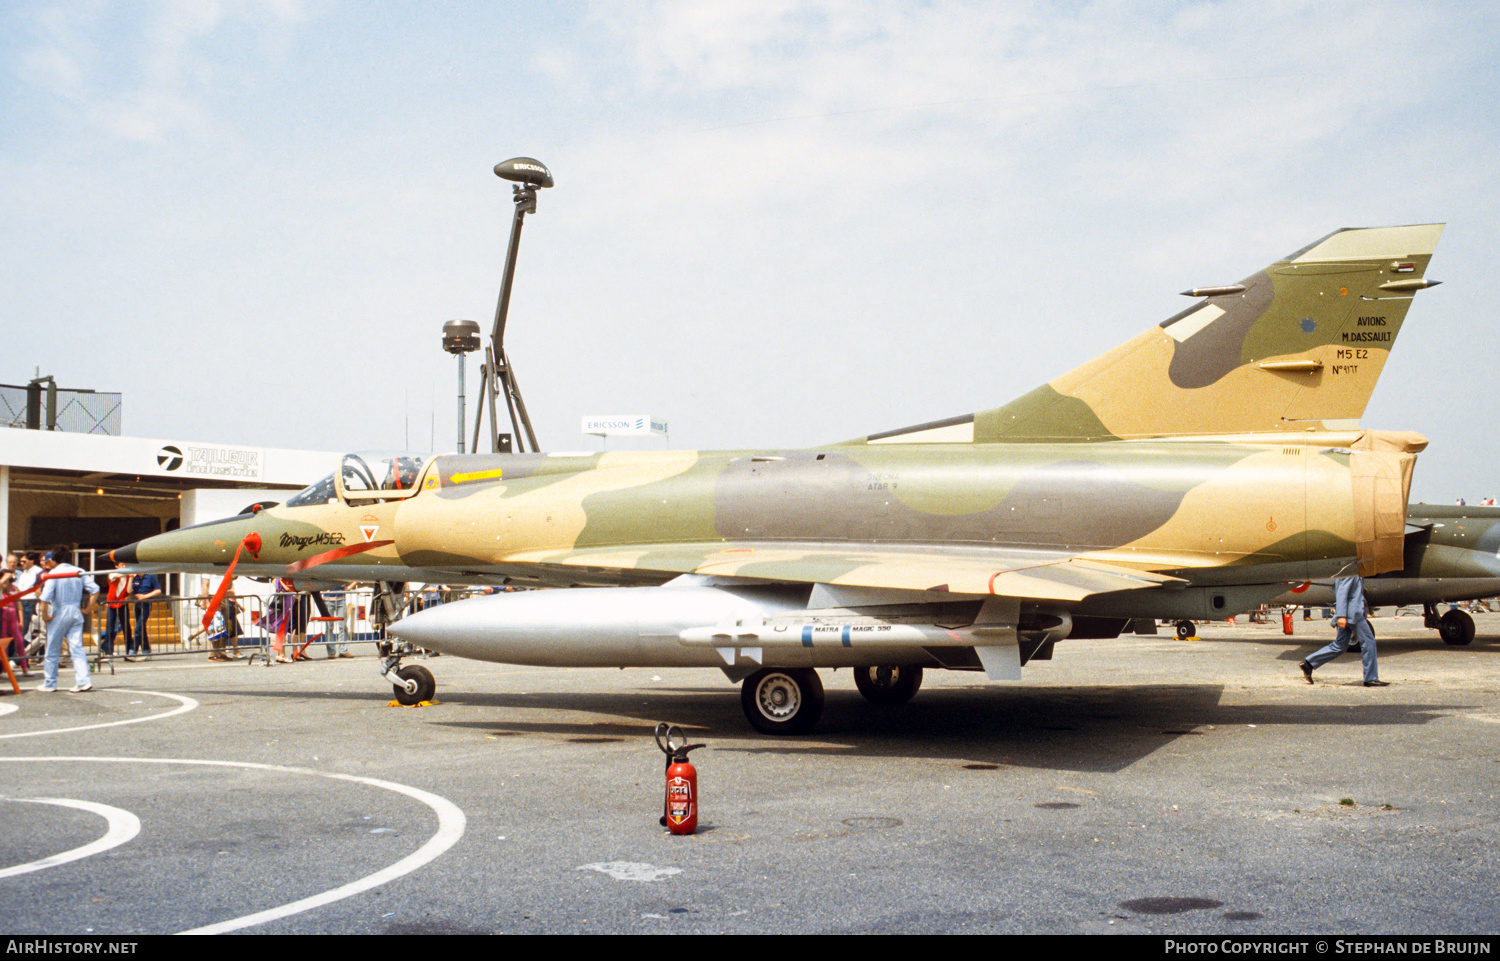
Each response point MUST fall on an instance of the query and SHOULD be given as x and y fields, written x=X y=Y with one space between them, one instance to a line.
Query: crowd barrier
x=174 y=626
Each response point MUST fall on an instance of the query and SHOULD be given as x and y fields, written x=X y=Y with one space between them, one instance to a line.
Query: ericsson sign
x=624 y=425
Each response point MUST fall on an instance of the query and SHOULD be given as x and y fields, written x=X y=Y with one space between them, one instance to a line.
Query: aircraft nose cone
x=124 y=555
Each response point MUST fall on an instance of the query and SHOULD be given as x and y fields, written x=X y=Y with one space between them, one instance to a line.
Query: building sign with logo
x=624 y=425
x=216 y=460
x=212 y=465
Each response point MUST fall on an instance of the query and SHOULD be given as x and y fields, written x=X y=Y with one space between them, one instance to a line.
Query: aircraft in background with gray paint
x=1451 y=554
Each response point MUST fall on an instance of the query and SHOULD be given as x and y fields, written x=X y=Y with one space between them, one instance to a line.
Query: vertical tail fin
x=1297 y=345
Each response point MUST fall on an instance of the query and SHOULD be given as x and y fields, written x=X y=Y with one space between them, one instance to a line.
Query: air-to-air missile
x=1193 y=472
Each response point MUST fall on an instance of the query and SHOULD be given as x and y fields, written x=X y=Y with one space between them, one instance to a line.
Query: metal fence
x=78 y=411
x=174 y=626
x=12 y=405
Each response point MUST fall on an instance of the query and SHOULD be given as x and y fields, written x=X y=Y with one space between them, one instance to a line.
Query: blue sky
x=775 y=223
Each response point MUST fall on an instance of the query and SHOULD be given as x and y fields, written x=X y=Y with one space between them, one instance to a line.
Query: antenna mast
x=497 y=376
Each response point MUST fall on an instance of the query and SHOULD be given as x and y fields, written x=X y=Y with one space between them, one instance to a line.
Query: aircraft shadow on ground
x=1098 y=729
x=1297 y=646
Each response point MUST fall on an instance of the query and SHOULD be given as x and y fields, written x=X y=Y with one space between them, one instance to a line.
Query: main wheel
x=1456 y=627
x=782 y=700
x=426 y=685
x=1185 y=630
x=888 y=683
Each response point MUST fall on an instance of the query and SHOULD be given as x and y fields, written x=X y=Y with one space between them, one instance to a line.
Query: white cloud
x=144 y=78
x=774 y=222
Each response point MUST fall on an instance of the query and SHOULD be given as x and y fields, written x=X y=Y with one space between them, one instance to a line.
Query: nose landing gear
x=413 y=683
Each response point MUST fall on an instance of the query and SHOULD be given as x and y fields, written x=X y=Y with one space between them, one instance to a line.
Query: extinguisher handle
x=665 y=735
x=673 y=742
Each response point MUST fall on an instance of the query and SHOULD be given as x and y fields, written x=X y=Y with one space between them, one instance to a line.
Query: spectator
x=143 y=588
x=64 y=602
x=116 y=614
x=11 y=635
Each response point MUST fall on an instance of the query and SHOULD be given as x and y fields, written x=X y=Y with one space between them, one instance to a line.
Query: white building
x=96 y=492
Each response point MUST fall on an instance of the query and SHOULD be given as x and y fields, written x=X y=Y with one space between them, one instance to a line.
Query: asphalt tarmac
x=1136 y=785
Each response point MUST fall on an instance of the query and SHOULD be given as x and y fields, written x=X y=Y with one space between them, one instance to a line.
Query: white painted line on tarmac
x=451 y=825
x=186 y=704
x=122 y=826
x=7 y=709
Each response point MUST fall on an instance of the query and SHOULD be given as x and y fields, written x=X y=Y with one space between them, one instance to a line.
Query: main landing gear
x=1455 y=627
x=888 y=684
x=789 y=700
x=782 y=700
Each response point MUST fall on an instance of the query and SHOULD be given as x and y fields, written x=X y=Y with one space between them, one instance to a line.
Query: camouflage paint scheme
x=1191 y=472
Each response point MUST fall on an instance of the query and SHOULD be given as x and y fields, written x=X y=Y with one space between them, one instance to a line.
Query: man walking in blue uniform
x=1351 y=617
x=63 y=603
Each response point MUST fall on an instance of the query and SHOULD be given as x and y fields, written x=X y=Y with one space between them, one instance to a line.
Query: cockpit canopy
x=367 y=476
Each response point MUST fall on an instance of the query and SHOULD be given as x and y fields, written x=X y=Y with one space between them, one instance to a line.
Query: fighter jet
x=1192 y=472
x=1451 y=554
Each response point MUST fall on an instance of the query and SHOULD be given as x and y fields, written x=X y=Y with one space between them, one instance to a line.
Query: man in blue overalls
x=62 y=606
x=143 y=588
x=1351 y=617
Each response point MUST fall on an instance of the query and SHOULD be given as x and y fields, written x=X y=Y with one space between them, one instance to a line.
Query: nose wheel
x=782 y=700
x=415 y=685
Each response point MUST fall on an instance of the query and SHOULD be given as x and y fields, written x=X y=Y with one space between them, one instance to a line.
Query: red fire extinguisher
x=680 y=809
